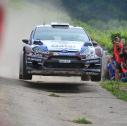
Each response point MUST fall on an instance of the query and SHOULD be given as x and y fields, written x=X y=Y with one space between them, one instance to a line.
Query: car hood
x=63 y=45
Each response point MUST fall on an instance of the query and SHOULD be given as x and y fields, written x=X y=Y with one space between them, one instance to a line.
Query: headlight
x=85 y=51
x=40 y=49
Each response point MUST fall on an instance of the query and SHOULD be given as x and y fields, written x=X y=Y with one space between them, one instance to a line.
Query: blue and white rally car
x=60 y=49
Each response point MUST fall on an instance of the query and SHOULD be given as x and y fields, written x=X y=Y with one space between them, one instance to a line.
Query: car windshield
x=65 y=34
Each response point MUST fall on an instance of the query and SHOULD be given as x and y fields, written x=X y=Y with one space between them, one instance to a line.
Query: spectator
x=118 y=49
x=111 y=68
x=124 y=64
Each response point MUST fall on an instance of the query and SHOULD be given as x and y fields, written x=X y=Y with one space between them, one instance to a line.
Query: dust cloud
x=20 y=20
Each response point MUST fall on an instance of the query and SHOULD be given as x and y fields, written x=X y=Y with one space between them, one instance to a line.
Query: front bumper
x=62 y=67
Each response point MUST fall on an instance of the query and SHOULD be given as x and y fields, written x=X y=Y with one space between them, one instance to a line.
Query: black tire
x=24 y=75
x=96 y=78
x=84 y=77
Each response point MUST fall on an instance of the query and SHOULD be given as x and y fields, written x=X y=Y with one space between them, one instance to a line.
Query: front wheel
x=23 y=72
x=84 y=77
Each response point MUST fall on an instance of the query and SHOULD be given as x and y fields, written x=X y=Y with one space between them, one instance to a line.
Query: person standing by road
x=124 y=64
x=118 y=49
x=111 y=68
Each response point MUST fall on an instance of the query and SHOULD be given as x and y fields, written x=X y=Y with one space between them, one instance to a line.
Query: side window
x=31 y=37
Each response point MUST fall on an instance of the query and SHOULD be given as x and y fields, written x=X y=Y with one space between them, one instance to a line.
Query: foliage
x=104 y=36
x=85 y=10
x=102 y=19
x=116 y=88
x=113 y=35
x=82 y=121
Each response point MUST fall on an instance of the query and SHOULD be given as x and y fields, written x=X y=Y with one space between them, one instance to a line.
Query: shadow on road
x=60 y=87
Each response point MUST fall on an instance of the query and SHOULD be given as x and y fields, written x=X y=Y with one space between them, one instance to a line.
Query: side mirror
x=25 y=41
x=94 y=43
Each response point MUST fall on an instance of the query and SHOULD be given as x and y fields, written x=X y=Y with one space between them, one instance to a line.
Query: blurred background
x=21 y=17
x=99 y=17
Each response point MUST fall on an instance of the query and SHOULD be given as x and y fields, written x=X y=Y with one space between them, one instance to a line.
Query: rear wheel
x=23 y=73
x=96 y=78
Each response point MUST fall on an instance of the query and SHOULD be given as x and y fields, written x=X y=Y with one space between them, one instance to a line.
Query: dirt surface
x=29 y=104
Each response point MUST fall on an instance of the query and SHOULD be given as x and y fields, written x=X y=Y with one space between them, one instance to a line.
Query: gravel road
x=30 y=104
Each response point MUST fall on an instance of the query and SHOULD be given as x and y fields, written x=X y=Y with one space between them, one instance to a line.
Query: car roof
x=61 y=25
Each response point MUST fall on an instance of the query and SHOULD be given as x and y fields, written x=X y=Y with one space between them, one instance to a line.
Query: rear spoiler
x=60 y=25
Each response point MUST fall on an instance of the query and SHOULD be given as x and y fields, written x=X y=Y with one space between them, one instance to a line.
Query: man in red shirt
x=118 y=49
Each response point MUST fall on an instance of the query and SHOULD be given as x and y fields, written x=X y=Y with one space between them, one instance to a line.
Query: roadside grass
x=54 y=95
x=82 y=120
x=118 y=89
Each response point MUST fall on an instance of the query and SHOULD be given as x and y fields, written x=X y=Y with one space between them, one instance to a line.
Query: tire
x=84 y=77
x=96 y=78
x=23 y=73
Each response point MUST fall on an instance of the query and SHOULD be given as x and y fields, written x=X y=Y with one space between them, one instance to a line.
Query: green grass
x=118 y=89
x=82 y=121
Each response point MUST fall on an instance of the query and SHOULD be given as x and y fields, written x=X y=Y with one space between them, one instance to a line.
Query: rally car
x=59 y=49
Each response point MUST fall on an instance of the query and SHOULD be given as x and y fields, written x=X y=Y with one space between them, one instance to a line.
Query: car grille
x=63 y=65
x=64 y=58
x=52 y=62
